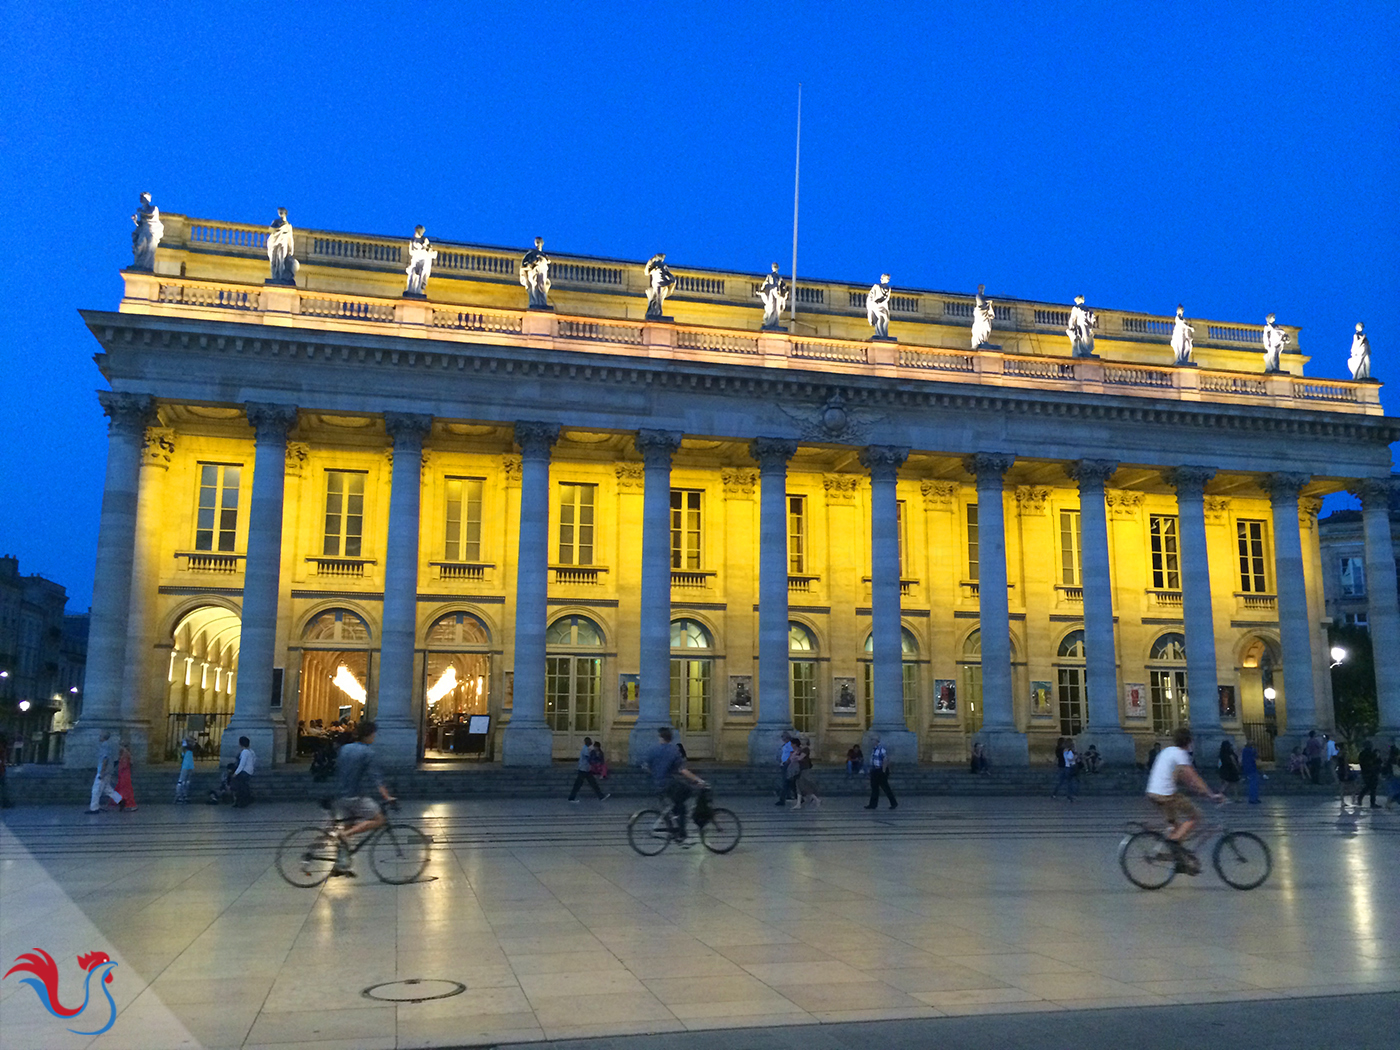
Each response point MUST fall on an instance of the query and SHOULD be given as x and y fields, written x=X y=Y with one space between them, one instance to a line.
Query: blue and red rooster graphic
x=45 y=984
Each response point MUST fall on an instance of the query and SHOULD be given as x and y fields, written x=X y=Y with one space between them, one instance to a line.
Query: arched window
x=802 y=676
x=456 y=682
x=1072 y=684
x=692 y=675
x=336 y=625
x=335 y=669
x=573 y=681
x=456 y=630
x=1167 y=685
x=909 y=647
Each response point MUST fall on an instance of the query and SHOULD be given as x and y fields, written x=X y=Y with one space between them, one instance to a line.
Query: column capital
x=536 y=439
x=1374 y=493
x=739 y=482
x=657 y=446
x=988 y=466
x=1189 y=481
x=840 y=488
x=271 y=422
x=1284 y=487
x=1091 y=473
x=883 y=461
x=129 y=413
x=297 y=453
x=630 y=475
x=772 y=453
x=157 y=446
x=938 y=493
x=408 y=429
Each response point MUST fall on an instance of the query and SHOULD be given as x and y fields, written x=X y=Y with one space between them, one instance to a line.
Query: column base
x=764 y=743
x=80 y=742
x=262 y=738
x=1115 y=747
x=397 y=744
x=901 y=744
x=643 y=738
x=523 y=745
x=1004 y=747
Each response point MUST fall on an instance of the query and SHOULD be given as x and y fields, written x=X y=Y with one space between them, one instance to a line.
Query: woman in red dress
x=124 y=788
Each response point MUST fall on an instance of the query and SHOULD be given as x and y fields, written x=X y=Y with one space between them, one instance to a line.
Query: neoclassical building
x=498 y=529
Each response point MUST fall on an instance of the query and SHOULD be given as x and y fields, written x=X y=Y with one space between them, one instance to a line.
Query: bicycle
x=1150 y=860
x=398 y=853
x=650 y=831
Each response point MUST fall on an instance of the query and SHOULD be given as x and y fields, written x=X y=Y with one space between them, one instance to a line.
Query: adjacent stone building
x=497 y=527
x=42 y=652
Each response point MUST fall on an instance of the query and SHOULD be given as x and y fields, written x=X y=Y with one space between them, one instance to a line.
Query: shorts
x=1176 y=808
x=356 y=808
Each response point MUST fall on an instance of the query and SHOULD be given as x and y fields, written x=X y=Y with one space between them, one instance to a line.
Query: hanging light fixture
x=349 y=684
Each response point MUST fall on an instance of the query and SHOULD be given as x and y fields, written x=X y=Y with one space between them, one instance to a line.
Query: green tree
x=1354 y=684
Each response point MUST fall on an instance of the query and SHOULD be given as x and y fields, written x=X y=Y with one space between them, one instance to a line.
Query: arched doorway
x=1166 y=683
x=573 y=681
x=201 y=680
x=910 y=650
x=802 y=676
x=692 y=683
x=1260 y=702
x=456 y=683
x=1071 y=685
x=335 y=669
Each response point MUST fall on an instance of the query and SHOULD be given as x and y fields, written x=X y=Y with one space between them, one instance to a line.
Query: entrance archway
x=573 y=681
x=201 y=679
x=456 y=682
x=335 y=670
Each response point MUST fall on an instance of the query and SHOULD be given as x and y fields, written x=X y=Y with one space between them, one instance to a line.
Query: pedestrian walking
x=785 y=784
x=124 y=788
x=806 y=781
x=1332 y=754
x=243 y=774
x=1312 y=755
x=1249 y=766
x=598 y=762
x=1229 y=765
x=880 y=775
x=4 y=769
x=1390 y=770
x=106 y=772
x=182 y=783
x=1370 y=761
x=585 y=772
x=1068 y=777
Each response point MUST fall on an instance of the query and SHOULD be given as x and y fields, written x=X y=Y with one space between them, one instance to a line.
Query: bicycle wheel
x=648 y=833
x=721 y=833
x=399 y=853
x=1147 y=859
x=1242 y=860
x=306 y=856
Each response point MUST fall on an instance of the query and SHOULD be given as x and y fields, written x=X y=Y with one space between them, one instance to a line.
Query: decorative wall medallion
x=938 y=493
x=1031 y=499
x=1217 y=507
x=157 y=446
x=841 y=488
x=1123 y=504
x=510 y=467
x=630 y=475
x=739 y=481
x=297 y=453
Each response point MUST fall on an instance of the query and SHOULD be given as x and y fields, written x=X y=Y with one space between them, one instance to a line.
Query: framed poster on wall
x=1134 y=700
x=945 y=697
x=843 y=696
x=1041 y=706
x=629 y=697
x=741 y=694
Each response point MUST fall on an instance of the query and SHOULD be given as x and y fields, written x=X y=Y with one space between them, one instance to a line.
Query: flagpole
x=796 y=183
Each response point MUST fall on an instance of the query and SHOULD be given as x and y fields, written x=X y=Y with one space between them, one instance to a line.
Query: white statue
x=534 y=275
x=147 y=235
x=279 y=250
x=660 y=283
x=420 y=262
x=1183 y=337
x=1360 y=360
x=1275 y=339
x=1081 y=329
x=983 y=314
x=774 y=293
x=877 y=307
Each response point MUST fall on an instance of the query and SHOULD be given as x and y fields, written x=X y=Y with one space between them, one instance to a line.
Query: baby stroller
x=225 y=790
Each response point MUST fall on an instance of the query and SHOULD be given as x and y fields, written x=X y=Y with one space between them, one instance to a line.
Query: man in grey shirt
x=357 y=777
x=106 y=769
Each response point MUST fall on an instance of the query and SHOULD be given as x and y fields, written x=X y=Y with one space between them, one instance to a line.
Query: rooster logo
x=45 y=983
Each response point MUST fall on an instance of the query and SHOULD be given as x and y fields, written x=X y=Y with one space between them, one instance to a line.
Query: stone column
x=398 y=728
x=527 y=740
x=1004 y=744
x=883 y=462
x=774 y=686
x=127 y=417
x=1382 y=607
x=157 y=447
x=1105 y=728
x=1198 y=613
x=1295 y=634
x=257 y=640
x=654 y=700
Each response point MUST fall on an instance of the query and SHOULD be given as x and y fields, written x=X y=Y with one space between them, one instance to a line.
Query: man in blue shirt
x=1249 y=766
x=880 y=776
x=671 y=779
x=357 y=777
x=585 y=773
x=785 y=782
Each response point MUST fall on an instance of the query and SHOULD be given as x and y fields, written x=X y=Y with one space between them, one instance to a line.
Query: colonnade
x=527 y=739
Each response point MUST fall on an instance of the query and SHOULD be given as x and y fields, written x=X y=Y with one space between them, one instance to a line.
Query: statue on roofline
x=280 y=246
x=775 y=294
x=534 y=275
x=1360 y=360
x=1081 y=329
x=1183 y=338
x=983 y=314
x=1274 y=339
x=661 y=282
x=147 y=235
x=420 y=263
x=877 y=307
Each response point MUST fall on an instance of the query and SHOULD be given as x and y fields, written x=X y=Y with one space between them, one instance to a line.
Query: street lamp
x=24 y=705
x=1270 y=693
x=1338 y=655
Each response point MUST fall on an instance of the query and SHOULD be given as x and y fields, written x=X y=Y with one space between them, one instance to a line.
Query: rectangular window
x=463 y=520
x=1166 y=563
x=1072 y=700
x=1356 y=620
x=900 y=520
x=972 y=541
x=685 y=529
x=797 y=535
x=1169 y=700
x=1071 y=559
x=1253 y=577
x=1353 y=576
x=803 y=676
x=216 y=525
x=345 y=513
x=576 y=524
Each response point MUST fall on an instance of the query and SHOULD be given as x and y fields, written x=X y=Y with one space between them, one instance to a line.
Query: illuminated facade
x=330 y=499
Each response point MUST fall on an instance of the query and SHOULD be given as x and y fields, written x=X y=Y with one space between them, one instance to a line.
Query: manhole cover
x=413 y=990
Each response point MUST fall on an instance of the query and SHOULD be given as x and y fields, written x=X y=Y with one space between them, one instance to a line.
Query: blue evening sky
x=1240 y=158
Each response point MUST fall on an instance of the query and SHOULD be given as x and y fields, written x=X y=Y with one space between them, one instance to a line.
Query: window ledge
x=221 y=562
x=344 y=568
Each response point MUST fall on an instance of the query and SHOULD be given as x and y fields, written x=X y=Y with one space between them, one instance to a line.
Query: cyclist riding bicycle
x=672 y=780
x=1170 y=772
x=357 y=777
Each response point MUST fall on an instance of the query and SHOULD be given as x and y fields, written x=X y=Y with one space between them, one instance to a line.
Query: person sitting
x=855 y=761
x=1092 y=758
x=1298 y=765
x=979 y=766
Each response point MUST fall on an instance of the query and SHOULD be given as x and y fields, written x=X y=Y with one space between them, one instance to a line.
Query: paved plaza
x=559 y=931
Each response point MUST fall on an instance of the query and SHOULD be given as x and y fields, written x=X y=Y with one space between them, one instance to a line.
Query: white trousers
x=102 y=786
